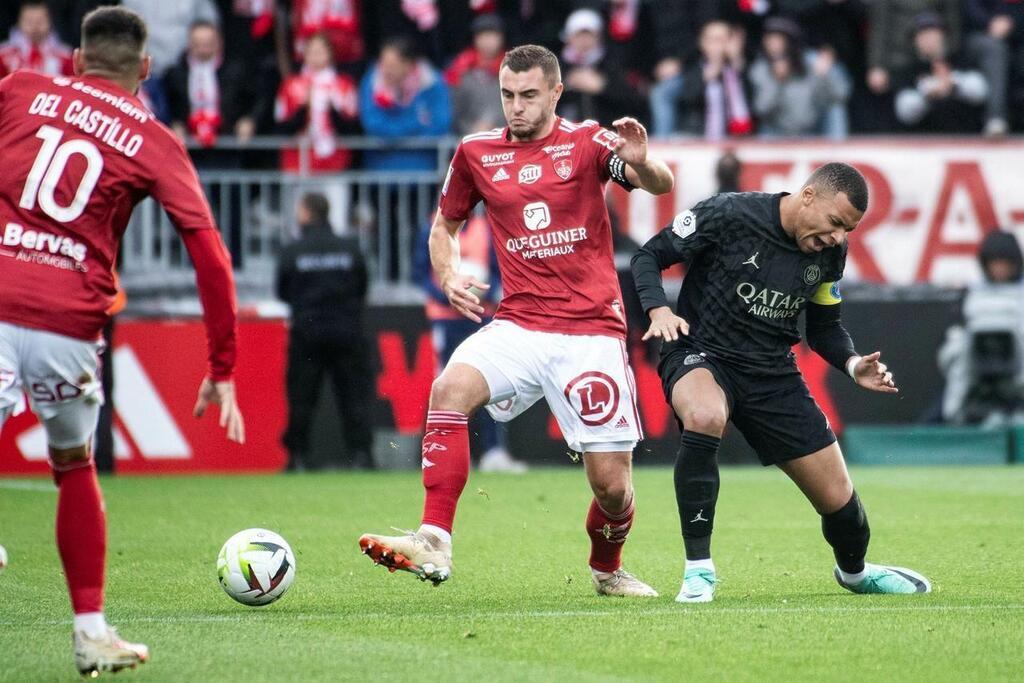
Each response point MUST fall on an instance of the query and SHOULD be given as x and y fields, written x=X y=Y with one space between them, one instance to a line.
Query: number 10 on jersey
x=49 y=166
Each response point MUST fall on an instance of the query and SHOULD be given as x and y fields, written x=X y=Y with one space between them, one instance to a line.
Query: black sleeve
x=296 y=123
x=343 y=125
x=826 y=335
x=617 y=171
x=360 y=272
x=284 y=267
x=690 y=234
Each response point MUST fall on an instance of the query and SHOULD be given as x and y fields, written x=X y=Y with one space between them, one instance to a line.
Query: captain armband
x=617 y=171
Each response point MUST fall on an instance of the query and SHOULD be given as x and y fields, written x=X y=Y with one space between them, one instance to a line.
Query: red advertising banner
x=932 y=201
x=157 y=368
x=158 y=365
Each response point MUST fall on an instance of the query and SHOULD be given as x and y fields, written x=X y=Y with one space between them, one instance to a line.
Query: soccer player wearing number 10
x=559 y=331
x=754 y=262
x=79 y=154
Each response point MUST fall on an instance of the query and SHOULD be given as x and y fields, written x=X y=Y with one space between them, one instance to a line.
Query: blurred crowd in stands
x=713 y=69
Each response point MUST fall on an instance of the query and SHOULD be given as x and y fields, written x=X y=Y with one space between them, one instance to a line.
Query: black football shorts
x=775 y=413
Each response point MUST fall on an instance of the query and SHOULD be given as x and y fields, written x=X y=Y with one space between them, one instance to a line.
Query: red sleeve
x=177 y=189
x=458 y=194
x=601 y=143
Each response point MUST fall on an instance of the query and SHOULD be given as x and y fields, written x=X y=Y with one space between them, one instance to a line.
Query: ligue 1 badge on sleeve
x=563 y=167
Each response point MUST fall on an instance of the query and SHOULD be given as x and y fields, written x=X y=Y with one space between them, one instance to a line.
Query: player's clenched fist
x=457 y=288
x=666 y=325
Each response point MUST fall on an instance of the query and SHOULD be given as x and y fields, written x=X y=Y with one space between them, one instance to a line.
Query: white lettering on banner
x=142 y=413
x=930 y=202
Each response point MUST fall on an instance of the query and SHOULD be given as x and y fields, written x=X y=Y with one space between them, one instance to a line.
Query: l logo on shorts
x=595 y=397
x=693 y=359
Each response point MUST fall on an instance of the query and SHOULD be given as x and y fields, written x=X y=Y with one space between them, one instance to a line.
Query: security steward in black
x=322 y=276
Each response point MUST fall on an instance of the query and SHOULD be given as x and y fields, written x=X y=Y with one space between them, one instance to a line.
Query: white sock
x=437 y=532
x=853 y=579
x=700 y=564
x=91 y=624
x=600 y=574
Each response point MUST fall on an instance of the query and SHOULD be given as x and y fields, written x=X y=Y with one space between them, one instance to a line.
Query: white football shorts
x=586 y=380
x=61 y=377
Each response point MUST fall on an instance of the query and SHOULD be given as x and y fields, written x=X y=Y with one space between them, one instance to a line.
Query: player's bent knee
x=446 y=394
x=65 y=457
x=704 y=420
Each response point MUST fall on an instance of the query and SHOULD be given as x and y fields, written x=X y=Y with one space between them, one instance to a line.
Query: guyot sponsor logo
x=769 y=303
x=17 y=236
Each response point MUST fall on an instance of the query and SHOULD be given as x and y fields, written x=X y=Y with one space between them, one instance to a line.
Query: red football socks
x=445 y=466
x=607 y=535
x=82 y=535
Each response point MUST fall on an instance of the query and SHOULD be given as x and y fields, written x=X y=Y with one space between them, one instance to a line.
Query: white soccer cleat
x=108 y=653
x=698 y=586
x=416 y=552
x=622 y=584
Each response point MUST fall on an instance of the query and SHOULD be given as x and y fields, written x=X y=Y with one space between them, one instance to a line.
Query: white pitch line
x=682 y=611
x=21 y=485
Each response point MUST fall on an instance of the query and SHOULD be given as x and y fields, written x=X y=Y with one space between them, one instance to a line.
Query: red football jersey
x=545 y=202
x=79 y=154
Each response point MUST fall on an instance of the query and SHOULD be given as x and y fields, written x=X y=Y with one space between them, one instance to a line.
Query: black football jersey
x=746 y=280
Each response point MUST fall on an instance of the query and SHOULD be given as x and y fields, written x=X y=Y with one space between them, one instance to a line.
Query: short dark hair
x=317 y=205
x=526 y=57
x=838 y=177
x=405 y=48
x=203 y=23
x=113 y=39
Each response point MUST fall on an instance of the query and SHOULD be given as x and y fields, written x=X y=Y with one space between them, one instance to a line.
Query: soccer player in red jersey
x=79 y=154
x=559 y=332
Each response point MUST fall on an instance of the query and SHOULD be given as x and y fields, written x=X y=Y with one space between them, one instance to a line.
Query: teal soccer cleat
x=698 y=586
x=886 y=580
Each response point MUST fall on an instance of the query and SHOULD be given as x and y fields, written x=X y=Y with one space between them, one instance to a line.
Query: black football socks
x=696 y=480
x=847 y=531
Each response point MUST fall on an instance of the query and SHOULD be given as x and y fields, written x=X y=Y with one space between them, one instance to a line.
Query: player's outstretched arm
x=444 y=258
x=648 y=174
x=647 y=264
x=177 y=188
x=217 y=294
x=871 y=373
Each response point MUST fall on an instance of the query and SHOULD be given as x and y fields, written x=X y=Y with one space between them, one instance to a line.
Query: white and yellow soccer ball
x=256 y=567
x=3 y=558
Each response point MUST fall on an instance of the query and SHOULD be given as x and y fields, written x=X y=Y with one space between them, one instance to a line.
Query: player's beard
x=527 y=130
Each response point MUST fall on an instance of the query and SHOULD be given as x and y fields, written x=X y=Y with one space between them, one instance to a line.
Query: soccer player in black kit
x=754 y=262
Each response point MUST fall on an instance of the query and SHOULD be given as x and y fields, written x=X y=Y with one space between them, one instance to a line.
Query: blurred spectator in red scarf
x=207 y=94
x=34 y=46
x=321 y=103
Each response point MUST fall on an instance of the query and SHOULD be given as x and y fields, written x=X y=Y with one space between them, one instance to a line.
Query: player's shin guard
x=696 y=480
x=607 y=535
x=81 y=535
x=847 y=531
x=445 y=466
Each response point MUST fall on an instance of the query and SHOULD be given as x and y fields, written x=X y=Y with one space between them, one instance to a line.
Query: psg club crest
x=563 y=167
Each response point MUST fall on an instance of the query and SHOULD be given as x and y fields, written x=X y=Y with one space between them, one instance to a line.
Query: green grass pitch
x=520 y=605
